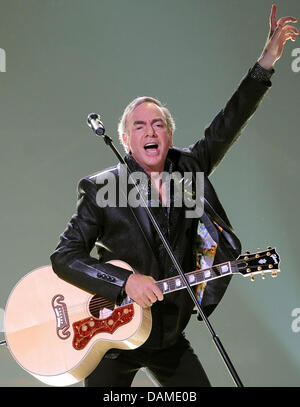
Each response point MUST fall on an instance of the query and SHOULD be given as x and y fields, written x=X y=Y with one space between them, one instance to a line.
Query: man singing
x=125 y=233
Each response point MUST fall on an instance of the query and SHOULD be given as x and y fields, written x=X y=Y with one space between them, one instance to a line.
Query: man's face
x=148 y=138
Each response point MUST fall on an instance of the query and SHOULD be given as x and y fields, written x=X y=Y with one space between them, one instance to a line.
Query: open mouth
x=151 y=146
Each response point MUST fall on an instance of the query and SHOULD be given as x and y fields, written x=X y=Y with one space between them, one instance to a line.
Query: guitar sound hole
x=100 y=307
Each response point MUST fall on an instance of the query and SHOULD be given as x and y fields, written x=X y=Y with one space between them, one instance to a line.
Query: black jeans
x=176 y=366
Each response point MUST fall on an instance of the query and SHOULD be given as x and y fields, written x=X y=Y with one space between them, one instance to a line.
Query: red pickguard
x=86 y=328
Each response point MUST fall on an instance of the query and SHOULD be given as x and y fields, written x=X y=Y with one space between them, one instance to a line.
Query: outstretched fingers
x=288 y=32
x=284 y=20
x=273 y=19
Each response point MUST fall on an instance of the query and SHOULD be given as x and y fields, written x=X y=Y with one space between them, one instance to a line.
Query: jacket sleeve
x=226 y=127
x=71 y=259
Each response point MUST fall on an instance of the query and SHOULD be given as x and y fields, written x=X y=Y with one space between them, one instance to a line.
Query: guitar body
x=59 y=333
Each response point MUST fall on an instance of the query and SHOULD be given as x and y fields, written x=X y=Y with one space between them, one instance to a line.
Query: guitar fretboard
x=195 y=277
x=171 y=284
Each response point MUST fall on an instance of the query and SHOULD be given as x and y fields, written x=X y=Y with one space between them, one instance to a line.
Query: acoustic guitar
x=59 y=333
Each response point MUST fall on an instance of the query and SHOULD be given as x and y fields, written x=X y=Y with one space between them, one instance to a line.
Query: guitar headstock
x=259 y=263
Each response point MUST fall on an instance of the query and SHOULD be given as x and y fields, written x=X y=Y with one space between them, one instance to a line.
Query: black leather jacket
x=119 y=235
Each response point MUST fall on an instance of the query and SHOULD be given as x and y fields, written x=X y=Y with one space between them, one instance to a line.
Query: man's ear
x=125 y=141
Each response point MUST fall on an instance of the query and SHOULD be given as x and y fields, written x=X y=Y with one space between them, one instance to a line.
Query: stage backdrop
x=62 y=59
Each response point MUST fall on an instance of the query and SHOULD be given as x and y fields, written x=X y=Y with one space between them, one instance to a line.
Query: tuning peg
x=263 y=275
x=246 y=255
x=258 y=250
x=274 y=273
x=269 y=247
x=251 y=277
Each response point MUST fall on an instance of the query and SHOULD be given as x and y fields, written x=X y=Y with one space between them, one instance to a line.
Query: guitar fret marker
x=178 y=282
x=165 y=286
x=207 y=274
x=192 y=278
x=224 y=269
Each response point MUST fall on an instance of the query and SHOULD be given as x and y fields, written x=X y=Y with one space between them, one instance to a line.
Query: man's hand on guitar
x=143 y=290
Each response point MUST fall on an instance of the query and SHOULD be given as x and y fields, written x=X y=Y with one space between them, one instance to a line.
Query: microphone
x=95 y=123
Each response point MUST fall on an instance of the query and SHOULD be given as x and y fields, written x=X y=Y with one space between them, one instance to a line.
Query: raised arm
x=226 y=127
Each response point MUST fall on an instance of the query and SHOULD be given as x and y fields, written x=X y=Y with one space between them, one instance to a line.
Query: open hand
x=280 y=32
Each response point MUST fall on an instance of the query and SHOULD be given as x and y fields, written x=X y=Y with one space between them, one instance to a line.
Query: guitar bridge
x=61 y=314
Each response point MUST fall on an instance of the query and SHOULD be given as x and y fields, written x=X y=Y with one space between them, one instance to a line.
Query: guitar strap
x=206 y=248
x=225 y=229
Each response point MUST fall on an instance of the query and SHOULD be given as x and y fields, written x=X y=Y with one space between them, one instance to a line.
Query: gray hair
x=122 y=127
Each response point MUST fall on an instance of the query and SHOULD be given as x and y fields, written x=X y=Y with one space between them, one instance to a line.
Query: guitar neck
x=248 y=264
x=176 y=283
x=172 y=284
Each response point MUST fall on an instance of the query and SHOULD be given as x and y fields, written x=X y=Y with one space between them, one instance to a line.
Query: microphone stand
x=215 y=338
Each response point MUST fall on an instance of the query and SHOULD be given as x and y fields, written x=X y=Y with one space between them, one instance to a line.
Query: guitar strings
x=99 y=303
